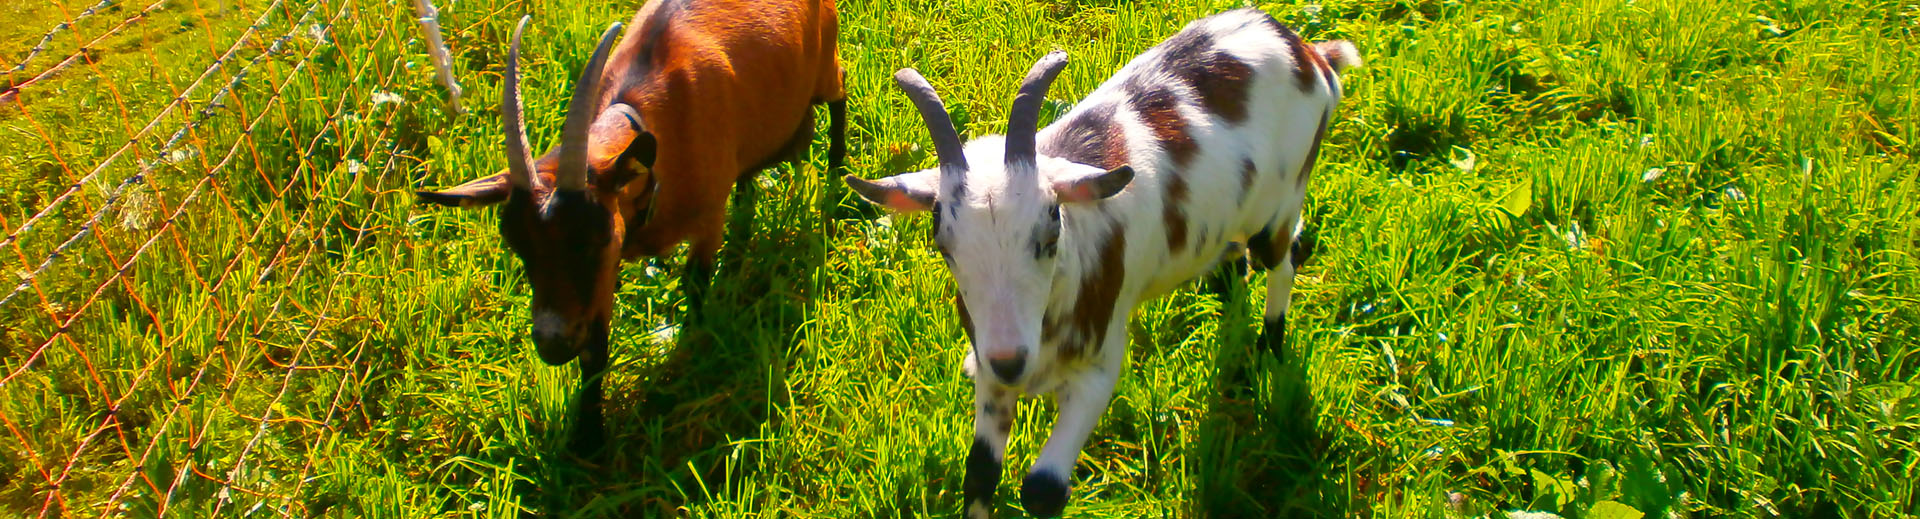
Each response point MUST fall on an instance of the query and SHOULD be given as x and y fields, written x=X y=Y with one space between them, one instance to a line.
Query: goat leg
x=589 y=424
x=1081 y=402
x=993 y=407
x=836 y=139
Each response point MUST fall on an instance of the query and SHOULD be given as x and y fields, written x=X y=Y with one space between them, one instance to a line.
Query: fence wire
x=177 y=295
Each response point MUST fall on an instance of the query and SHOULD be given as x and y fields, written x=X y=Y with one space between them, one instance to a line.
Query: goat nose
x=554 y=349
x=550 y=339
x=1009 y=368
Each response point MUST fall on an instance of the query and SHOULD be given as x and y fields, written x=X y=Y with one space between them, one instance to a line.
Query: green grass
x=1573 y=257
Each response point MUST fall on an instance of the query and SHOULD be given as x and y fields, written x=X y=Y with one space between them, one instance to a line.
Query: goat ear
x=644 y=149
x=905 y=192
x=641 y=151
x=1095 y=186
x=615 y=138
x=483 y=191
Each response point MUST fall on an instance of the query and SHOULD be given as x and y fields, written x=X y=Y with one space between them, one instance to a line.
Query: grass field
x=1596 y=258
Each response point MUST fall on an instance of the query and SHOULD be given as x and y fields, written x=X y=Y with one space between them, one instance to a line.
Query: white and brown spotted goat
x=1054 y=236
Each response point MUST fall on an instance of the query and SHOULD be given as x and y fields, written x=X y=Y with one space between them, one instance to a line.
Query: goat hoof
x=1044 y=494
x=588 y=437
x=1273 y=339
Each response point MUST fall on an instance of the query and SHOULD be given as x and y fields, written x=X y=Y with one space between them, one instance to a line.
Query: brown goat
x=698 y=97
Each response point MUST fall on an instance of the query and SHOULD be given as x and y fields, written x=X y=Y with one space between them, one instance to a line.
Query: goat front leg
x=993 y=407
x=589 y=423
x=702 y=254
x=1081 y=401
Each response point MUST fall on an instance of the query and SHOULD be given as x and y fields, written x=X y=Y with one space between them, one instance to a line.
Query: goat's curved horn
x=581 y=111
x=946 y=141
x=519 y=157
x=1024 y=120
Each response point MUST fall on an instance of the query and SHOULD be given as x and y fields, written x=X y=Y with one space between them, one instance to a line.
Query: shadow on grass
x=1258 y=451
x=670 y=422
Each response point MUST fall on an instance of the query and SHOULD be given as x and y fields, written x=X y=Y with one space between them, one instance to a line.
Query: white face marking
x=993 y=224
x=979 y=510
x=548 y=324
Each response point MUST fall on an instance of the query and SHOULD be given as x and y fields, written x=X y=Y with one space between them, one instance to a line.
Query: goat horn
x=519 y=158
x=581 y=111
x=1024 y=120
x=946 y=141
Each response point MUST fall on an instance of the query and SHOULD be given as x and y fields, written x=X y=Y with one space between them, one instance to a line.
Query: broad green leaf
x=1518 y=200
x=1613 y=510
x=1550 y=491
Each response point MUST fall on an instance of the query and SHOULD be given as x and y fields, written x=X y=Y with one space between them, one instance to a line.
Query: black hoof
x=1044 y=494
x=1273 y=339
x=588 y=438
x=983 y=473
x=589 y=429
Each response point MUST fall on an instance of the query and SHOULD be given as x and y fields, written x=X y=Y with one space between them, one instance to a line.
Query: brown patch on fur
x=1247 y=173
x=1307 y=63
x=966 y=319
x=1089 y=138
x=1326 y=71
x=1174 y=212
x=1326 y=61
x=1270 y=246
x=1222 y=83
x=1313 y=152
x=1002 y=414
x=1084 y=327
x=1159 y=110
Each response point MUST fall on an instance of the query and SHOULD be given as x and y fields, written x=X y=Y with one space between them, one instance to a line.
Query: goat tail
x=1341 y=54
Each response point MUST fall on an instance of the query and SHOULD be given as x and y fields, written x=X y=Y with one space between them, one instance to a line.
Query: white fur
x=991 y=211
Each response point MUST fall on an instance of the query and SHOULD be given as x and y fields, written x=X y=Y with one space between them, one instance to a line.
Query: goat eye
x=1046 y=240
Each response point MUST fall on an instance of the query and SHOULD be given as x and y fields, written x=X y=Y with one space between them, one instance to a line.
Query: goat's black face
x=570 y=249
x=568 y=241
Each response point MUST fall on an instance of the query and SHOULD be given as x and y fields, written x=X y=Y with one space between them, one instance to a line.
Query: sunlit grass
x=1576 y=257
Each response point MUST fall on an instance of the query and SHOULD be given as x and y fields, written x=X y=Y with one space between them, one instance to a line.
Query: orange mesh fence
x=169 y=321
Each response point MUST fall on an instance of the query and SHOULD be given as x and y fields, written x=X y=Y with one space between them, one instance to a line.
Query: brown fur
x=1174 y=213
x=1085 y=325
x=1159 y=109
x=1313 y=152
x=1307 y=63
x=703 y=94
x=723 y=88
x=1269 y=246
x=1247 y=174
x=1222 y=83
x=966 y=319
x=726 y=89
x=1089 y=138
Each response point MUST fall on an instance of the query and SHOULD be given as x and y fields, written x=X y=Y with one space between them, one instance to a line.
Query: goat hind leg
x=1277 y=249
x=836 y=139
